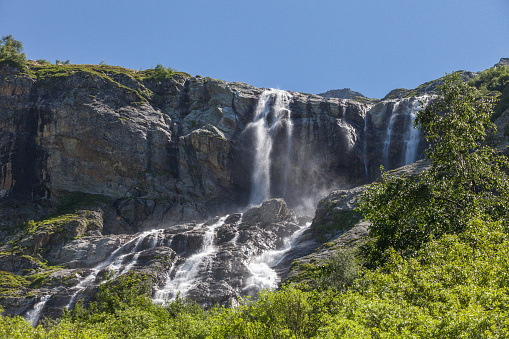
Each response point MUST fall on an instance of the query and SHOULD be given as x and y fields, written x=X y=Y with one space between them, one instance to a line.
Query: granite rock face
x=171 y=150
x=345 y=93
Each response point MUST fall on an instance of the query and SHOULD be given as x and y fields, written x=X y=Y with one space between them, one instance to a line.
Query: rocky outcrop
x=345 y=93
x=337 y=225
x=221 y=268
x=502 y=62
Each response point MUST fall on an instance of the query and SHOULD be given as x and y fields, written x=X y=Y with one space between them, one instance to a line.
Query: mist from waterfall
x=388 y=134
x=365 y=145
x=272 y=113
x=261 y=268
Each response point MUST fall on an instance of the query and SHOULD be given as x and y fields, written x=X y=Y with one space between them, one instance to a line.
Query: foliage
x=60 y=62
x=43 y=62
x=492 y=79
x=466 y=178
x=494 y=82
x=456 y=287
x=10 y=283
x=340 y=271
x=160 y=73
x=11 y=52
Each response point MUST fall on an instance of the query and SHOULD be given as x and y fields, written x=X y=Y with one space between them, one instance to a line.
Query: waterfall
x=265 y=125
x=365 y=132
x=388 y=134
x=403 y=114
x=412 y=135
x=114 y=262
x=34 y=314
x=261 y=268
x=153 y=243
x=185 y=277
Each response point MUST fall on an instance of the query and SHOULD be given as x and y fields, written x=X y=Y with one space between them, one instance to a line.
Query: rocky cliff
x=176 y=149
x=105 y=170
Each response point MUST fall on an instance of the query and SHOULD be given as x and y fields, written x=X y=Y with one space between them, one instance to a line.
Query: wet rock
x=270 y=211
x=85 y=252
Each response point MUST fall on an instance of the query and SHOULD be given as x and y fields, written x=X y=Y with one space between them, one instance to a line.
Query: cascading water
x=185 y=277
x=388 y=134
x=261 y=268
x=267 y=120
x=113 y=263
x=412 y=135
x=34 y=314
x=365 y=132
x=403 y=114
x=153 y=243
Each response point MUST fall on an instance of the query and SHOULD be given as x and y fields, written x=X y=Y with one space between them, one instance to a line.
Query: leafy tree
x=466 y=178
x=160 y=72
x=340 y=271
x=11 y=52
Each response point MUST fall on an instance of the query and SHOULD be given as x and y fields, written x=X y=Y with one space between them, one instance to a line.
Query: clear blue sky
x=371 y=46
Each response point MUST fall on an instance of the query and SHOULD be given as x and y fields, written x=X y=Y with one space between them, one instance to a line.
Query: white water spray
x=265 y=126
x=34 y=314
x=365 y=132
x=185 y=277
x=388 y=134
x=412 y=134
x=261 y=268
x=114 y=263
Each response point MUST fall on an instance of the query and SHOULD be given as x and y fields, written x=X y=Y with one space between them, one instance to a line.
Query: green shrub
x=340 y=271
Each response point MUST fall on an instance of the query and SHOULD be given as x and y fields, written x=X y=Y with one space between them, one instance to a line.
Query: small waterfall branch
x=185 y=277
x=412 y=136
x=261 y=268
x=115 y=262
x=34 y=314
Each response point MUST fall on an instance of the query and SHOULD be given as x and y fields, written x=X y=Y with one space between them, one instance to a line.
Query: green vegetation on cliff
x=494 y=82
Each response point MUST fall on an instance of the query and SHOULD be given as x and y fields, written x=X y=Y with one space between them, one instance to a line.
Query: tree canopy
x=11 y=52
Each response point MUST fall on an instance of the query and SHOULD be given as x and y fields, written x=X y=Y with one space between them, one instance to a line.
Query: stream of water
x=185 y=276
